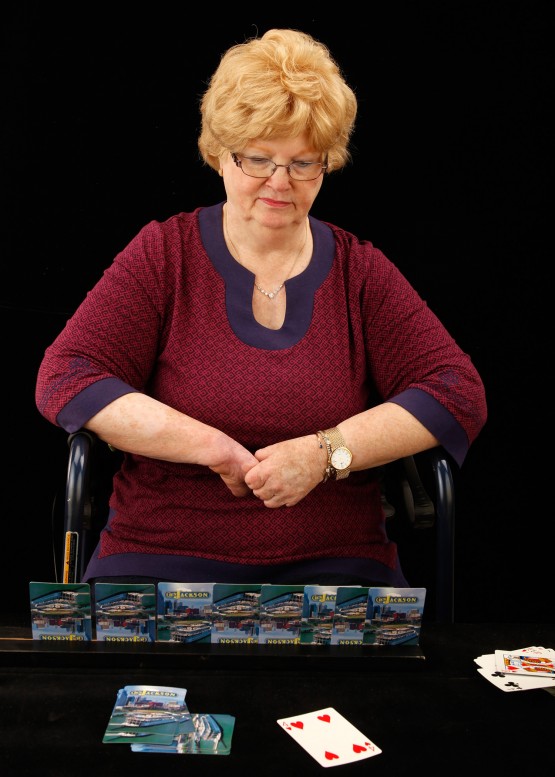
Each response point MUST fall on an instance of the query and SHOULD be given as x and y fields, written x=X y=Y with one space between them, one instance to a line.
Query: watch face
x=341 y=458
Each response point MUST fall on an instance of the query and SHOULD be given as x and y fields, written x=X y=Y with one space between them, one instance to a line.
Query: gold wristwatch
x=339 y=456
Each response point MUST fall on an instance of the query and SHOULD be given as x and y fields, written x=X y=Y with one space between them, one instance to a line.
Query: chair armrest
x=445 y=536
x=77 y=512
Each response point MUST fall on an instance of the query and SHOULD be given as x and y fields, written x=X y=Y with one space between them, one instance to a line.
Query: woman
x=256 y=365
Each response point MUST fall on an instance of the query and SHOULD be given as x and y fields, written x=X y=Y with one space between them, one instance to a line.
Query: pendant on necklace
x=269 y=294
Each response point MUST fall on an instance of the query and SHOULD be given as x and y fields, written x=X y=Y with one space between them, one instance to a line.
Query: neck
x=272 y=280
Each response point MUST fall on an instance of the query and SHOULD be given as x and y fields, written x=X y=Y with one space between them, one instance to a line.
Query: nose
x=280 y=178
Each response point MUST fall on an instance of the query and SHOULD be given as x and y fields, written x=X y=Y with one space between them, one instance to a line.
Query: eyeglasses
x=260 y=167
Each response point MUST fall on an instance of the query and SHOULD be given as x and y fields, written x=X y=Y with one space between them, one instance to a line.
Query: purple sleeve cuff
x=439 y=421
x=89 y=401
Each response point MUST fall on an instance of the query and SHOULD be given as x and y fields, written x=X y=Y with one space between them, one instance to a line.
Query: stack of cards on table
x=329 y=737
x=519 y=670
x=156 y=719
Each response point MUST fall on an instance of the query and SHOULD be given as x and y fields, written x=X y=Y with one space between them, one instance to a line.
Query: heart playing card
x=329 y=737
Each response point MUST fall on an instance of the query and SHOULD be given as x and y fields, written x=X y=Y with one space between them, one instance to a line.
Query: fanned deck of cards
x=329 y=737
x=523 y=669
x=156 y=719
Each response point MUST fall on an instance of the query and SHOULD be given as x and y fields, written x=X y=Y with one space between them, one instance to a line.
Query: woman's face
x=278 y=200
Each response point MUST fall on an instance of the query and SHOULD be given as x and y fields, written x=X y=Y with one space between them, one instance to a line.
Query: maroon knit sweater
x=171 y=317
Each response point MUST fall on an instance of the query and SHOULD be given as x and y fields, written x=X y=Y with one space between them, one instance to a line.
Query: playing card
x=329 y=737
x=525 y=663
x=125 y=612
x=506 y=682
x=351 y=607
x=317 y=615
x=535 y=651
x=281 y=610
x=60 y=611
x=148 y=714
x=211 y=735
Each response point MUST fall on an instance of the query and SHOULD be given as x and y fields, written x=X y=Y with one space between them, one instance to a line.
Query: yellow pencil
x=70 y=557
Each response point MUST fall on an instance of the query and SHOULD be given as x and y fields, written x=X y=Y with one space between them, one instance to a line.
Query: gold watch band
x=335 y=437
x=334 y=440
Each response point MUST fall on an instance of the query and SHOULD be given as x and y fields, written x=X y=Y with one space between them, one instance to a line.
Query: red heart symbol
x=330 y=756
x=325 y=718
x=298 y=724
x=359 y=748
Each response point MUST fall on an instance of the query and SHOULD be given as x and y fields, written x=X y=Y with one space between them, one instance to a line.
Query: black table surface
x=427 y=708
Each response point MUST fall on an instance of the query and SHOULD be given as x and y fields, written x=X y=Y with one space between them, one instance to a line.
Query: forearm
x=139 y=424
x=383 y=434
x=286 y=471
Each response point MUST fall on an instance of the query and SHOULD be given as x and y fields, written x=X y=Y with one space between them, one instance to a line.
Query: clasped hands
x=280 y=474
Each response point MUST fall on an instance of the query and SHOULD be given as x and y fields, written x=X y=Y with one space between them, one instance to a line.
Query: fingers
x=270 y=499
x=275 y=501
x=265 y=494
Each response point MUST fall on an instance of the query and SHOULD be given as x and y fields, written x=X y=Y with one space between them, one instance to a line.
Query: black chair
x=417 y=494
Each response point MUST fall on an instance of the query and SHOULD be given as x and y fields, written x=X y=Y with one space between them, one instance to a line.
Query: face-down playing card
x=329 y=737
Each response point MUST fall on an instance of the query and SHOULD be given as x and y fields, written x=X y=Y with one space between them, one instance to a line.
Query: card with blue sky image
x=60 y=611
x=211 y=736
x=148 y=714
x=318 y=612
x=349 y=618
x=281 y=610
x=394 y=616
x=236 y=613
x=125 y=612
x=184 y=612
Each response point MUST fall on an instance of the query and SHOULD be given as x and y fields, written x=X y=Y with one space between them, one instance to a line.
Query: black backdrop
x=449 y=178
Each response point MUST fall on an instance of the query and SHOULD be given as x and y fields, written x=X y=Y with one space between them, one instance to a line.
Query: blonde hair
x=277 y=86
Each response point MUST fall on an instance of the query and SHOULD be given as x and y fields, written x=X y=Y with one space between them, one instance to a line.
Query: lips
x=275 y=203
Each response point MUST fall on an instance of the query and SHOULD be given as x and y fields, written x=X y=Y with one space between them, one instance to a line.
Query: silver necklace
x=269 y=294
